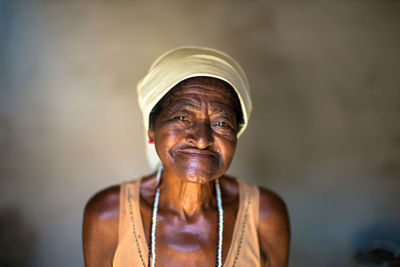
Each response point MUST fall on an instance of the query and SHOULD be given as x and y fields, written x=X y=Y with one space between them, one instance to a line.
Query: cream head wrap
x=186 y=62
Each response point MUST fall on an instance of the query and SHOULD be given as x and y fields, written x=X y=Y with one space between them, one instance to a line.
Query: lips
x=197 y=152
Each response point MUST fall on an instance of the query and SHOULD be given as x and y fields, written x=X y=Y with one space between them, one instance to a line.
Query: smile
x=198 y=153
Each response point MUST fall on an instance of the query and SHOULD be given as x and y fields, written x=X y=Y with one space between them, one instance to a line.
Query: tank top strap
x=245 y=249
x=252 y=192
x=132 y=248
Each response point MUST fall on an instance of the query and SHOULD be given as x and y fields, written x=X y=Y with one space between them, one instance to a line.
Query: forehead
x=202 y=88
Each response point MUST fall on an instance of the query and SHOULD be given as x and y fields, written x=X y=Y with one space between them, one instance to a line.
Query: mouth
x=193 y=152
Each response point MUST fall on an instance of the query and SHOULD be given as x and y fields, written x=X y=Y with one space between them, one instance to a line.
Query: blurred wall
x=324 y=133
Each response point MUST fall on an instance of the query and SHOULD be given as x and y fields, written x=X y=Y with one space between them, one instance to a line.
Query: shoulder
x=270 y=203
x=104 y=205
x=100 y=226
x=274 y=228
x=272 y=206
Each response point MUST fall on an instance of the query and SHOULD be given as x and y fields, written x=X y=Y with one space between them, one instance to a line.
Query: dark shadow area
x=17 y=239
x=378 y=245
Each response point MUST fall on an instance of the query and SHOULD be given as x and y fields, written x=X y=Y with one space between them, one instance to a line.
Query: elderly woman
x=195 y=104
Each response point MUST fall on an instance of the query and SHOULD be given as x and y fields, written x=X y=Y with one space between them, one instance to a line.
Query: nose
x=201 y=134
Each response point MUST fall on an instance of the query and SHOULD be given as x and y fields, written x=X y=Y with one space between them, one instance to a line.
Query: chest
x=190 y=242
x=190 y=245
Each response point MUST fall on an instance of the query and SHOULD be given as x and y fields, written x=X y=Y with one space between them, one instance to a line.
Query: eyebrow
x=223 y=108
x=189 y=105
x=186 y=104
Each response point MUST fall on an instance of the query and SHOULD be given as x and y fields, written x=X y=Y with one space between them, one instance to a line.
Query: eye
x=222 y=124
x=181 y=118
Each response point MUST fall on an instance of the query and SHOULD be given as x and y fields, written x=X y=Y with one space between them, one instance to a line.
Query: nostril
x=203 y=143
x=201 y=135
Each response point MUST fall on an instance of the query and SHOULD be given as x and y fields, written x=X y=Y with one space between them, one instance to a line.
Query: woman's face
x=195 y=132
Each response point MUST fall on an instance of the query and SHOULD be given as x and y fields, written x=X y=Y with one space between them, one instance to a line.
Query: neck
x=187 y=199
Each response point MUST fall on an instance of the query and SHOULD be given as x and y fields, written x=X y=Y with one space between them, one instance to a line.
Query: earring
x=150 y=141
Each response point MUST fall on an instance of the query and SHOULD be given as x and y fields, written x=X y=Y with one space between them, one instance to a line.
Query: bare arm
x=100 y=228
x=274 y=229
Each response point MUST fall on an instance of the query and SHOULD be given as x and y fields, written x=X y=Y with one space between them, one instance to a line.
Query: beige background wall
x=325 y=131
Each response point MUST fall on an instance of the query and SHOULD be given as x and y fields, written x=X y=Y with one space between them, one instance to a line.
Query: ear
x=150 y=133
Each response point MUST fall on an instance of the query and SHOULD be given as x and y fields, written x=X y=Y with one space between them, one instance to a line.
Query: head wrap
x=186 y=62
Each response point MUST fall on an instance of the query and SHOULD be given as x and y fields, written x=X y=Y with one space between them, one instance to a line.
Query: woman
x=195 y=103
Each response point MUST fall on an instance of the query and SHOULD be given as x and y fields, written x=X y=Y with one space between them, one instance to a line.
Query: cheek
x=227 y=149
x=166 y=132
x=165 y=139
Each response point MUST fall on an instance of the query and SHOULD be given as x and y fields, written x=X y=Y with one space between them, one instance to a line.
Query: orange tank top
x=132 y=249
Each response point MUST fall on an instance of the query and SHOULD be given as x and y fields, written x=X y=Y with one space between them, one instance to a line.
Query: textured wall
x=324 y=132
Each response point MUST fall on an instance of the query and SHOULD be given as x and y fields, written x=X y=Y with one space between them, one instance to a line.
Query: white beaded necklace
x=152 y=245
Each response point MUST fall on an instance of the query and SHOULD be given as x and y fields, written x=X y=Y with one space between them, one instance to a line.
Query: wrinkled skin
x=195 y=137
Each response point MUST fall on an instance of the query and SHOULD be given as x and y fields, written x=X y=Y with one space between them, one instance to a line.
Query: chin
x=196 y=171
x=197 y=177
